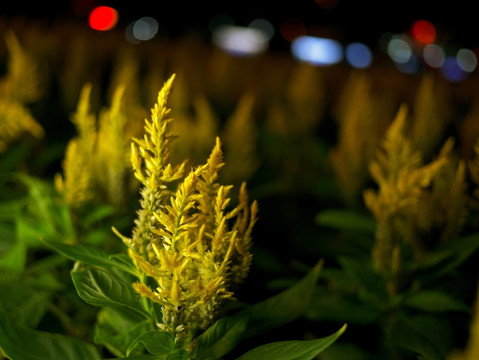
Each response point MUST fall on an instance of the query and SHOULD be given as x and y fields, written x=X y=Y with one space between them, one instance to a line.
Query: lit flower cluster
x=191 y=249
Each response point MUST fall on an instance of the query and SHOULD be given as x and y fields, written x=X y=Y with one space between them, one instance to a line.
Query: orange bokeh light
x=103 y=18
x=423 y=31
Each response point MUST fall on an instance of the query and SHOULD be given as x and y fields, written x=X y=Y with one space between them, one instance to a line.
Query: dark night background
x=348 y=21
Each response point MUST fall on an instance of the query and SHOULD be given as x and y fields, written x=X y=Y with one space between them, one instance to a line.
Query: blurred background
x=451 y=26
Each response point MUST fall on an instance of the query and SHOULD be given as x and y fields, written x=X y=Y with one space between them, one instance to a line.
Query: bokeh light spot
x=145 y=28
x=240 y=41
x=466 y=60
x=451 y=70
x=423 y=31
x=317 y=51
x=434 y=56
x=411 y=66
x=358 y=55
x=103 y=18
x=327 y=4
x=399 y=49
x=291 y=29
x=263 y=25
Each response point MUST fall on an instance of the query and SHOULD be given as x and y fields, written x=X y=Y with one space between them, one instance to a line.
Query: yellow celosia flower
x=198 y=130
x=431 y=115
x=15 y=120
x=183 y=238
x=85 y=121
x=22 y=83
x=76 y=185
x=240 y=135
x=444 y=208
x=20 y=86
x=111 y=163
x=360 y=115
x=99 y=156
x=402 y=179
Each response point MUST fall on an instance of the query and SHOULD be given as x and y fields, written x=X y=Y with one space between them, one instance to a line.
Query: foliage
x=366 y=181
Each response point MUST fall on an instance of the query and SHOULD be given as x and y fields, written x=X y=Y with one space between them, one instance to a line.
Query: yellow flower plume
x=185 y=238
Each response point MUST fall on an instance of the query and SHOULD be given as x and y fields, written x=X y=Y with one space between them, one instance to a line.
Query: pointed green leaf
x=346 y=220
x=427 y=336
x=141 y=357
x=371 y=285
x=16 y=256
x=435 y=301
x=285 y=306
x=156 y=342
x=89 y=256
x=100 y=288
x=220 y=338
x=450 y=255
x=116 y=329
x=25 y=304
x=178 y=354
x=292 y=350
x=20 y=343
x=98 y=213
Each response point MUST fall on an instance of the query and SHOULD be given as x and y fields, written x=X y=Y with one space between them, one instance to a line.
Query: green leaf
x=16 y=257
x=98 y=213
x=31 y=230
x=435 y=301
x=329 y=306
x=25 y=304
x=116 y=330
x=450 y=255
x=178 y=354
x=425 y=335
x=100 y=288
x=90 y=256
x=371 y=286
x=141 y=357
x=292 y=350
x=220 y=338
x=20 y=343
x=346 y=220
x=9 y=209
x=285 y=306
x=156 y=342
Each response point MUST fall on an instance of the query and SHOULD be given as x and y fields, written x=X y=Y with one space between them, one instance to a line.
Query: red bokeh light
x=423 y=31
x=103 y=18
x=290 y=29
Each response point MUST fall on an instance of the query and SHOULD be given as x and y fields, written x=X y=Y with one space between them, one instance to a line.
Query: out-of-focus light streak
x=103 y=18
x=358 y=55
x=423 y=31
x=240 y=41
x=317 y=51
x=434 y=55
